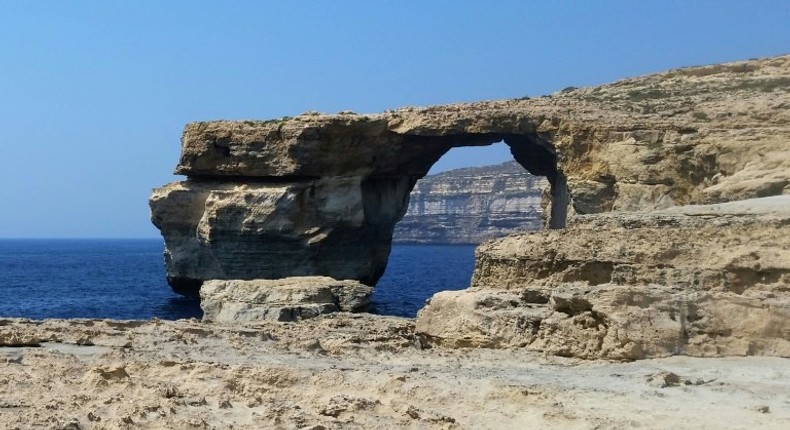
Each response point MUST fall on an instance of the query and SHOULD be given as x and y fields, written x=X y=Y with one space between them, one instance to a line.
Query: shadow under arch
x=416 y=271
x=386 y=198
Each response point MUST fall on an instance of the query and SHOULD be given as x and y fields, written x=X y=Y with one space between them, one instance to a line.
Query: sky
x=94 y=94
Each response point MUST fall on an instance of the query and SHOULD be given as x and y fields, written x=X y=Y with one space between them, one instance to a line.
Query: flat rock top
x=355 y=372
x=294 y=282
x=752 y=93
x=778 y=206
x=763 y=212
x=722 y=130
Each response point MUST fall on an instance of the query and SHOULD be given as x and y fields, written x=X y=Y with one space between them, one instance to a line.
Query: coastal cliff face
x=472 y=205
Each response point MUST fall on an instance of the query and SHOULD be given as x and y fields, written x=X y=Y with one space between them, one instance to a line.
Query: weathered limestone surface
x=319 y=195
x=288 y=299
x=355 y=371
x=697 y=280
x=705 y=134
x=471 y=205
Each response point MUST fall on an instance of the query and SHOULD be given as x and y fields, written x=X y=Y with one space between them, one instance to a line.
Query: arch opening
x=434 y=241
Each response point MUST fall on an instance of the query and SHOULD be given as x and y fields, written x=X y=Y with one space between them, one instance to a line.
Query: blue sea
x=125 y=279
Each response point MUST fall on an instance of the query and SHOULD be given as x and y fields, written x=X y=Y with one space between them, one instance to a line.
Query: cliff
x=472 y=205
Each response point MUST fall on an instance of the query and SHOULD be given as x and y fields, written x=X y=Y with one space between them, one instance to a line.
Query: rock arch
x=312 y=195
x=319 y=194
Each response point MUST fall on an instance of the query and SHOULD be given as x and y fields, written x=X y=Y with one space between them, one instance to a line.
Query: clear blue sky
x=94 y=94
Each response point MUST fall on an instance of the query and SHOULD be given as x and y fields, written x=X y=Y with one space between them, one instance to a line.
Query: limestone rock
x=288 y=299
x=696 y=280
x=308 y=146
x=695 y=135
x=611 y=321
x=251 y=230
x=357 y=371
x=471 y=205
x=731 y=247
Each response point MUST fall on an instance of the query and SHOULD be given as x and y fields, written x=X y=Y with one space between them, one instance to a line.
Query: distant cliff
x=471 y=205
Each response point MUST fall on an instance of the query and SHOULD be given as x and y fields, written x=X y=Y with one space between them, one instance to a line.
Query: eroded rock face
x=336 y=227
x=696 y=135
x=697 y=280
x=288 y=299
x=320 y=194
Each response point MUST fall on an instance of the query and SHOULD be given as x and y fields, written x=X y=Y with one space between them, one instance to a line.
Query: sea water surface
x=125 y=279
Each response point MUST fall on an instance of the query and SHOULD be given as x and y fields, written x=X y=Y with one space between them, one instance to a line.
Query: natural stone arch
x=309 y=196
x=293 y=197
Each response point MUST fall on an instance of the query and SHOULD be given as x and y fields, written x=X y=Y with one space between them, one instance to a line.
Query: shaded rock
x=664 y=379
x=288 y=299
x=232 y=230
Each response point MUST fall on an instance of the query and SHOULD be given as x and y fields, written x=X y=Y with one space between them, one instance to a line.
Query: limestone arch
x=311 y=196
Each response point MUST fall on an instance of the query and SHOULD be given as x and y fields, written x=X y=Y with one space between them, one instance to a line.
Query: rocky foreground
x=355 y=371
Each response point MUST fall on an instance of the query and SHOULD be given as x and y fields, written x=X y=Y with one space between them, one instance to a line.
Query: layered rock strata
x=320 y=194
x=471 y=205
x=696 y=280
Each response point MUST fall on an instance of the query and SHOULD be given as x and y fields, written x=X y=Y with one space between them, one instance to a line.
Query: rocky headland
x=319 y=195
x=472 y=205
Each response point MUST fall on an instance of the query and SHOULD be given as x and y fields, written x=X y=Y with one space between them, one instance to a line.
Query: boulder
x=288 y=299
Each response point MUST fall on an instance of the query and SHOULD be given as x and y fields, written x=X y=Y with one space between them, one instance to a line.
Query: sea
x=125 y=279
